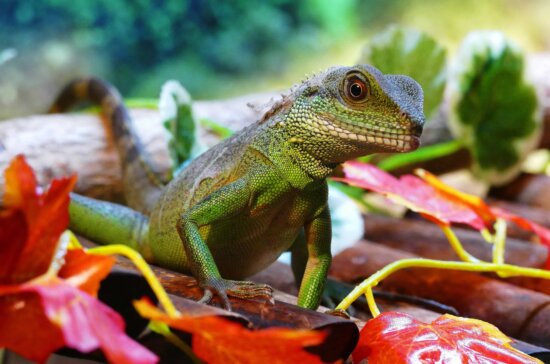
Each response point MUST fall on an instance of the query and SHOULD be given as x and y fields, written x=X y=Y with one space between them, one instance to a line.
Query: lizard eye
x=355 y=89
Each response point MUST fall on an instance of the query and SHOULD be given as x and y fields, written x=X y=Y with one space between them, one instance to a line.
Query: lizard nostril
x=417 y=129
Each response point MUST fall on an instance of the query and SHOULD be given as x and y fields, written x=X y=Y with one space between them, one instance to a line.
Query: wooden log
x=279 y=276
x=122 y=286
x=518 y=312
x=529 y=189
x=255 y=313
x=63 y=144
x=342 y=334
x=535 y=214
x=427 y=240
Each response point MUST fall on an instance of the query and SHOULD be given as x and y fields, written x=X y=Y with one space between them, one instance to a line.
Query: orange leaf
x=488 y=214
x=413 y=193
x=395 y=337
x=474 y=202
x=218 y=340
x=21 y=186
x=40 y=220
x=85 y=271
x=40 y=312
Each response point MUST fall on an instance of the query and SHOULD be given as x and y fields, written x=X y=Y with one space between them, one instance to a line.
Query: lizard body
x=234 y=209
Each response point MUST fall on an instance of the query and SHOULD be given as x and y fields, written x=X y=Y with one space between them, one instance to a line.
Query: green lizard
x=234 y=209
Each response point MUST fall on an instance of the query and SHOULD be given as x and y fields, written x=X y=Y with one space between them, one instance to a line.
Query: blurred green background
x=220 y=48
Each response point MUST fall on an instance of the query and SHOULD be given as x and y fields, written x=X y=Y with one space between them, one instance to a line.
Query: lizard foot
x=240 y=289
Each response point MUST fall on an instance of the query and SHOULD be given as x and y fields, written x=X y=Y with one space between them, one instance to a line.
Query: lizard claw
x=240 y=289
x=207 y=297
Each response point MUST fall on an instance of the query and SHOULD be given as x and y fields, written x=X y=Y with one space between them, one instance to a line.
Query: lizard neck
x=299 y=168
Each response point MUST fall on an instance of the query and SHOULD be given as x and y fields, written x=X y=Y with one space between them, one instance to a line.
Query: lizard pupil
x=356 y=90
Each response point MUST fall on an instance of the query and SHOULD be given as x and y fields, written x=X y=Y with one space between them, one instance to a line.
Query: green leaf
x=413 y=53
x=142 y=103
x=220 y=130
x=422 y=154
x=176 y=110
x=493 y=109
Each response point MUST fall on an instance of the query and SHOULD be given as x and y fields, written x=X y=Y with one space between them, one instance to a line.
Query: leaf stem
x=222 y=131
x=457 y=245
x=426 y=153
x=371 y=302
x=500 y=242
x=373 y=280
x=144 y=268
x=73 y=241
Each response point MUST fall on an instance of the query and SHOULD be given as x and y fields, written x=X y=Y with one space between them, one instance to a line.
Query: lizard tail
x=142 y=185
x=109 y=223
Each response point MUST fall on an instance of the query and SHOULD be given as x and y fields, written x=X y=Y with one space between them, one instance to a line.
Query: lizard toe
x=246 y=289
x=207 y=296
x=218 y=287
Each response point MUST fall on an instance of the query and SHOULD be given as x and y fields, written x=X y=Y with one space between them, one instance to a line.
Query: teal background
x=220 y=48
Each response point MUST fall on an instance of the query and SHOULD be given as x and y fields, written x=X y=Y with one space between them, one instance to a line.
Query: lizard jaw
x=400 y=139
x=387 y=142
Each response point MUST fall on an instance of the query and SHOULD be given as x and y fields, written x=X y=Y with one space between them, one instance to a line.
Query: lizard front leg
x=223 y=203
x=318 y=237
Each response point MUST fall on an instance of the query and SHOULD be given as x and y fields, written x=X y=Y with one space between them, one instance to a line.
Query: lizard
x=235 y=208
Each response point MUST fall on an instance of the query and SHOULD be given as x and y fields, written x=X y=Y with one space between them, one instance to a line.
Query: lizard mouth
x=380 y=138
x=394 y=142
x=385 y=141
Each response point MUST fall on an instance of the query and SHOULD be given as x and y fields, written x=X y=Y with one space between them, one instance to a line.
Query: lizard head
x=346 y=112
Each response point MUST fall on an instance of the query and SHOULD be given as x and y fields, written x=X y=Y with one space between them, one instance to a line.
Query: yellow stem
x=73 y=241
x=486 y=235
x=500 y=242
x=373 y=280
x=144 y=268
x=457 y=245
x=371 y=302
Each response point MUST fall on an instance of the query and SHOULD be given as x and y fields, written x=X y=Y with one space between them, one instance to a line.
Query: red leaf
x=436 y=200
x=13 y=236
x=85 y=271
x=542 y=232
x=395 y=337
x=40 y=220
x=413 y=193
x=25 y=329
x=218 y=340
x=66 y=317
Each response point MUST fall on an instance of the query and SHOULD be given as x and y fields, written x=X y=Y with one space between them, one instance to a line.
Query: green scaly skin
x=263 y=191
